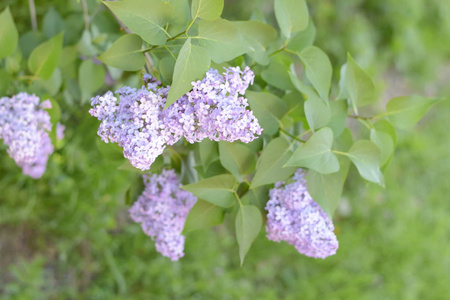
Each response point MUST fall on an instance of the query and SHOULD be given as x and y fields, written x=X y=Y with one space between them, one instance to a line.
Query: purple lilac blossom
x=24 y=128
x=162 y=210
x=214 y=108
x=293 y=216
x=137 y=121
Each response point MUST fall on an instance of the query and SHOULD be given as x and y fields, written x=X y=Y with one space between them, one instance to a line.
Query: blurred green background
x=68 y=235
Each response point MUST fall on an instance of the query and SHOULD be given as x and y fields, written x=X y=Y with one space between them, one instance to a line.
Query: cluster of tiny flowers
x=214 y=108
x=137 y=121
x=293 y=216
x=24 y=128
x=162 y=210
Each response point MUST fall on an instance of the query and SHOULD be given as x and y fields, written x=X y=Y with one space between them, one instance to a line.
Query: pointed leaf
x=9 y=36
x=405 y=112
x=270 y=165
x=248 y=225
x=217 y=190
x=203 y=214
x=385 y=144
x=316 y=153
x=357 y=85
x=192 y=64
x=90 y=77
x=292 y=15
x=317 y=113
x=45 y=58
x=318 y=69
x=209 y=152
x=125 y=53
x=237 y=159
x=221 y=39
x=146 y=18
x=366 y=157
x=206 y=9
x=268 y=109
x=338 y=118
x=302 y=39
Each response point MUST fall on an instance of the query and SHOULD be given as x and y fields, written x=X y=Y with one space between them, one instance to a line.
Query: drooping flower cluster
x=162 y=210
x=293 y=216
x=214 y=109
x=24 y=128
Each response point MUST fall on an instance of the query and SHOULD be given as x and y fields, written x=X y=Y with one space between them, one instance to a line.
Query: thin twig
x=292 y=136
x=85 y=14
x=33 y=15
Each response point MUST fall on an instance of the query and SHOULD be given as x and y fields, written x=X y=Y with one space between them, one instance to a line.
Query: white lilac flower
x=294 y=217
x=137 y=121
x=162 y=210
x=24 y=128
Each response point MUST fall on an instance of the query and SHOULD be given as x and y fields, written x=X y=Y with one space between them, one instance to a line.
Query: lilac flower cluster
x=137 y=121
x=162 y=210
x=24 y=128
x=293 y=216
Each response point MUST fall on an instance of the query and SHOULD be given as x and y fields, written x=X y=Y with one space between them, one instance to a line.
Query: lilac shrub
x=294 y=217
x=24 y=128
x=137 y=121
x=162 y=210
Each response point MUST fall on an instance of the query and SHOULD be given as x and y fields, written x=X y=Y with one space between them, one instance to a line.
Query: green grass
x=80 y=244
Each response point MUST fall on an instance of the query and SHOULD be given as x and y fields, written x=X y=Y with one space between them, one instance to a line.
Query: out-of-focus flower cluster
x=162 y=210
x=293 y=216
x=214 y=109
x=24 y=128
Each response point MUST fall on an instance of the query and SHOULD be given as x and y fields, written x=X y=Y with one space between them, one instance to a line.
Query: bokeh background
x=68 y=235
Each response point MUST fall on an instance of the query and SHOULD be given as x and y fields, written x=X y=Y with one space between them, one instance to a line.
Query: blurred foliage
x=68 y=235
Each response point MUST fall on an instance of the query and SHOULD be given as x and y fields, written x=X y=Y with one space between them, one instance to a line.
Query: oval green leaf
x=125 y=53
x=248 y=225
x=217 y=190
x=9 y=36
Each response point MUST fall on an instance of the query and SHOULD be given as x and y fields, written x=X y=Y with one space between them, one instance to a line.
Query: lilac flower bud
x=294 y=217
x=162 y=210
x=24 y=128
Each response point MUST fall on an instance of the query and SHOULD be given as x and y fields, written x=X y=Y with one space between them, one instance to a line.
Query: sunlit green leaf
x=203 y=214
x=292 y=15
x=90 y=77
x=125 y=53
x=45 y=58
x=366 y=157
x=146 y=18
x=405 y=112
x=270 y=164
x=237 y=159
x=206 y=9
x=217 y=190
x=268 y=109
x=192 y=64
x=316 y=153
x=9 y=35
x=248 y=225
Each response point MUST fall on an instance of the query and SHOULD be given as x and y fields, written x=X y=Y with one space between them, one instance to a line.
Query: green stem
x=292 y=136
x=339 y=152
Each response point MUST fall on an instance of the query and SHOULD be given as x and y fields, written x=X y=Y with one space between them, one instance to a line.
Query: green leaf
x=203 y=214
x=258 y=36
x=125 y=53
x=208 y=10
x=317 y=113
x=277 y=73
x=192 y=64
x=237 y=158
x=221 y=39
x=384 y=143
x=270 y=164
x=29 y=41
x=45 y=58
x=302 y=39
x=316 y=153
x=268 y=109
x=318 y=69
x=326 y=189
x=366 y=157
x=218 y=190
x=357 y=85
x=5 y=80
x=90 y=77
x=292 y=15
x=248 y=224
x=146 y=18
x=338 y=118
x=53 y=23
x=52 y=84
x=9 y=36
x=166 y=66
x=405 y=112
x=295 y=103
x=209 y=152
